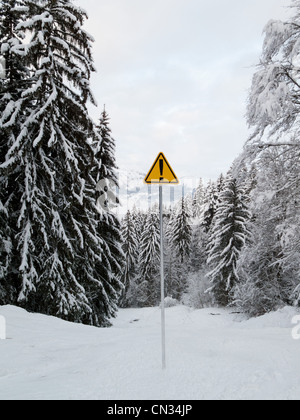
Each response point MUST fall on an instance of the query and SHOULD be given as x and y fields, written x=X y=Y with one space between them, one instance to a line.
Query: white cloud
x=174 y=76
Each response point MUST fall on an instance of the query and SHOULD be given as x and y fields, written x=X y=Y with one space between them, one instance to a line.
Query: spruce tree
x=228 y=237
x=6 y=289
x=273 y=114
x=268 y=267
x=130 y=249
x=260 y=288
x=198 y=200
x=149 y=260
x=12 y=82
x=109 y=225
x=139 y=220
x=273 y=104
x=57 y=247
x=210 y=206
x=220 y=184
x=105 y=151
x=179 y=234
x=198 y=251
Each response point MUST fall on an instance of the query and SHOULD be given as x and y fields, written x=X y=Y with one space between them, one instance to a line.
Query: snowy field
x=208 y=357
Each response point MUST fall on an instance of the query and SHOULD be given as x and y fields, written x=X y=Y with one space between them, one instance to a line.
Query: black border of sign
x=176 y=182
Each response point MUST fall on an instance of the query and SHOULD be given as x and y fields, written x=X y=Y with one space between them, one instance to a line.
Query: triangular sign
x=161 y=172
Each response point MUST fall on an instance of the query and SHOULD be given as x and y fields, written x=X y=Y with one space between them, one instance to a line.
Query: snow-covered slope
x=133 y=191
x=208 y=357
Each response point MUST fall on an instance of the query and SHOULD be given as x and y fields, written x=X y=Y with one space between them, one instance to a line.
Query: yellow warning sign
x=161 y=172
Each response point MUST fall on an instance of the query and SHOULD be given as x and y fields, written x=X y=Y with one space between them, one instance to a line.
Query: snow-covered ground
x=208 y=357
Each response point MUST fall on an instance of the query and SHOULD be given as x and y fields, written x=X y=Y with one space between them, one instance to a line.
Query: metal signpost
x=161 y=174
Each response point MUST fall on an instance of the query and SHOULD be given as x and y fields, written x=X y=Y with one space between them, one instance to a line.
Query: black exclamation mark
x=161 y=168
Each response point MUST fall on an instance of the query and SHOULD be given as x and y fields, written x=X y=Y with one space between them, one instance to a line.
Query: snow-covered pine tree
x=198 y=252
x=5 y=250
x=180 y=232
x=210 y=205
x=105 y=152
x=228 y=237
x=220 y=184
x=12 y=82
x=273 y=112
x=13 y=78
x=109 y=225
x=130 y=249
x=179 y=235
x=198 y=200
x=273 y=106
x=170 y=259
x=7 y=291
x=139 y=219
x=58 y=246
x=269 y=265
x=149 y=260
x=259 y=289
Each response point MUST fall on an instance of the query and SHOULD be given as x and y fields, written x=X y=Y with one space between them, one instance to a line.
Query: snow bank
x=279 y=319
x=211 y=354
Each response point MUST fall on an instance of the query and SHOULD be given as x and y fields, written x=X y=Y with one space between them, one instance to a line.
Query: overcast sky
x=174 y=75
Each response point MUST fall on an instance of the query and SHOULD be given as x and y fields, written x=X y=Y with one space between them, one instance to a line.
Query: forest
x=235 y=242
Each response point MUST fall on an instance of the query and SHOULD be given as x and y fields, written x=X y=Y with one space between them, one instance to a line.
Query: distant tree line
x=245 y=244
x=63 y=252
